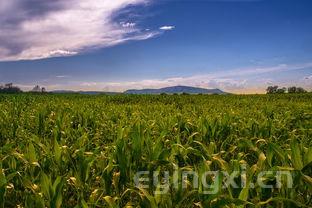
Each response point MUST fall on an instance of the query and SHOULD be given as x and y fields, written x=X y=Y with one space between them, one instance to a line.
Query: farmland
x=85 y=151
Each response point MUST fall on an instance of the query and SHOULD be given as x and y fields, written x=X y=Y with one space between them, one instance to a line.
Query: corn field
x=84 y=151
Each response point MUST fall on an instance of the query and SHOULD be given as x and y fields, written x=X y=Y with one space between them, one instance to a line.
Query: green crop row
x=85 y=151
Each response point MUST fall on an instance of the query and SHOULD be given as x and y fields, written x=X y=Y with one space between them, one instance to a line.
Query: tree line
x=277 y=90
x=9 y=88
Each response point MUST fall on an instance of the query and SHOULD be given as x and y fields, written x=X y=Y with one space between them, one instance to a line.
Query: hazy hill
x=176 y=89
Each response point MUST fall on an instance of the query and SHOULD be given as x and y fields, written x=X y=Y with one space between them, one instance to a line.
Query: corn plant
x=84 y=151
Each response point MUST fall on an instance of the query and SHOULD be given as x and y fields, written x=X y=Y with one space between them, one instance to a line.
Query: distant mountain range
x=167 y=90
x=176 y=89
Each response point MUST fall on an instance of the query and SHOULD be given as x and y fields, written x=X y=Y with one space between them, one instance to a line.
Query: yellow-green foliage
x=83 y=151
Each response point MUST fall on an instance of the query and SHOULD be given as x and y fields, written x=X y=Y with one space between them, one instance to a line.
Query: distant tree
x=300 y=90
x=38 y=89
x=9 y=85
x=292 y=89
x=272 y=89
x=296 y=90
x=281 y=90
x=9 y=88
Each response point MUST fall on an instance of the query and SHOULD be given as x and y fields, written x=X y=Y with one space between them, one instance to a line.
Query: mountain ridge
x=179 y=89
x=176 y=89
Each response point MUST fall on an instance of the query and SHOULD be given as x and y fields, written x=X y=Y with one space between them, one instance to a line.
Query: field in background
x=84 y=151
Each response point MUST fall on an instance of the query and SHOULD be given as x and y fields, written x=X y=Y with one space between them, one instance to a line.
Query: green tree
x=9 y=88
x=272 y=89
x=281 y=90
x=296 y=90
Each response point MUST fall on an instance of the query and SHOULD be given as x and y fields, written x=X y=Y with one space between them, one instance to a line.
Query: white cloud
x=89 y=84
x=308 y=77
x=61 y=53
x=264 y=70
x=167 y=28
x=128 y=24
x=63 y=28
x=62 y=76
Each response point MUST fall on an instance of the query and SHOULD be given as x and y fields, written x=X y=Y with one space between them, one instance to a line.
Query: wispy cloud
x=262 y=70
x=308 y=77
x=62 y=76
x=36 y=29
x=128 y=24
x=167 y=27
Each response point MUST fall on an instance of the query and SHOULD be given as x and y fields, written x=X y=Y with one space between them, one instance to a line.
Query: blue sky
x=237 y=46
